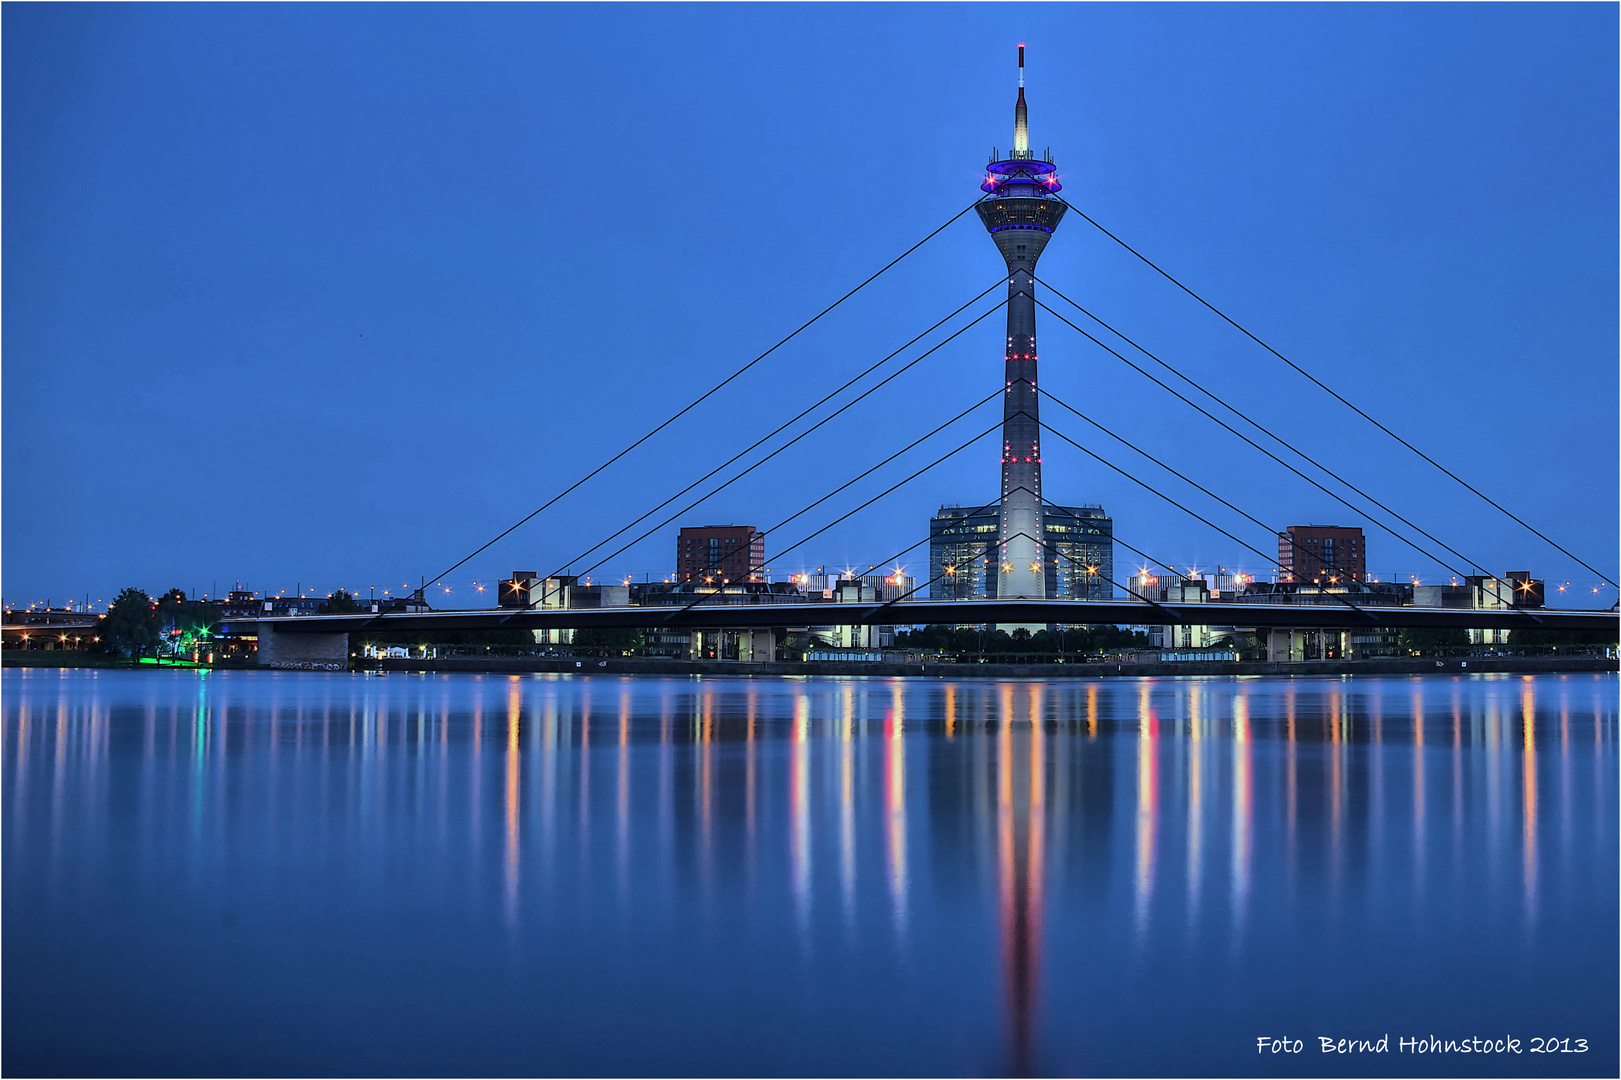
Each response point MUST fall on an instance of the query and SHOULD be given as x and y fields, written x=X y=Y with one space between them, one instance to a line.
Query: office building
x=1079 y=561
x=1322 y=553
x=713 y=554
x=1080 y=552
x=962 y=553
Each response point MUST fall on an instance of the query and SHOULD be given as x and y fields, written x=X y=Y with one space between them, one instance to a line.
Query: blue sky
x=329 y=295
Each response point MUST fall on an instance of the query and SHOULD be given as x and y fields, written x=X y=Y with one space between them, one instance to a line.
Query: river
x=267 y=873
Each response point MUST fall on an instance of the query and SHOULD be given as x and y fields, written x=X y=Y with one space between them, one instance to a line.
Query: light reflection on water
x=295 y=874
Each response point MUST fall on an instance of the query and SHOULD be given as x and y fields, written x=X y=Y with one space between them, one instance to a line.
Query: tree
x=131 y=625
x=621 y=640
x=1538 y=638
x=182 y=624
x=1420 y=641
x=1091 y=639
x=339 y=603
x=941 y=638
x=1102 y=639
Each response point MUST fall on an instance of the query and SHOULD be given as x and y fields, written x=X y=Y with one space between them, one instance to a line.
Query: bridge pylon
x=1020 y=213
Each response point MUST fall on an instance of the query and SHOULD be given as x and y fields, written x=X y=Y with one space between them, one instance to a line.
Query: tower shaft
x=1020 y=528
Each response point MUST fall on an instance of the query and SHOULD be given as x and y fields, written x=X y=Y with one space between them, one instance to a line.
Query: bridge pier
x=1291 y=644
x=1280 y=645
x=754 y=645
x=302 y=650
x=757 y=646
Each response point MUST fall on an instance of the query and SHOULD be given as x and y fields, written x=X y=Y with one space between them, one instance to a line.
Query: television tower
x=1021 y=214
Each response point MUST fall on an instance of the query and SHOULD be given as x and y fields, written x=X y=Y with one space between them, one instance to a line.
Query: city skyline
x=304 y=314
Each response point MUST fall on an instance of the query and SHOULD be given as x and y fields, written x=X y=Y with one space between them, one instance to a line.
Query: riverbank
x=60 y=658
x=645 y=666
x=73 y=658
x=499 y=665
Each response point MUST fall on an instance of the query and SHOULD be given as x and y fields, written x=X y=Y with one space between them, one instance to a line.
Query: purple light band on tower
x=1022 y=165
x=994 y=186
x=1020 y=171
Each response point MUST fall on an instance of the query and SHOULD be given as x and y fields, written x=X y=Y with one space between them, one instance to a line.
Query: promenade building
x=1516 y=589
x=687 y=644
x=1175 y=589
x=1229 y=583
x=890 y=585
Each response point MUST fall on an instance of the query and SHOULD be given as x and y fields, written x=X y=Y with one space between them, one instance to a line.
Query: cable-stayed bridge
x=1021 y=208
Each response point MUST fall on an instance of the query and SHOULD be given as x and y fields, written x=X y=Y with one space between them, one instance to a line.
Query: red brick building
x=1322 y=553
x=721 y=553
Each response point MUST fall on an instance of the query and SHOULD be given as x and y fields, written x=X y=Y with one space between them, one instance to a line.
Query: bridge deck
x=920 y=612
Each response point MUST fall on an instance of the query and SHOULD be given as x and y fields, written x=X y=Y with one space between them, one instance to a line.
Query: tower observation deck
x=1020 y=213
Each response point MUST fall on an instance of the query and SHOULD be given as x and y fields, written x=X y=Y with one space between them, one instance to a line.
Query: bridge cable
x=1092 y=570
x=765 y=438
x=1270 y=454
x=882 y=494
x=705 y=395
x=1223 y=315
x=1168 y=566
x=754 y=569
x=1179 y=506
x=1257 y=425
x=675 y=586
x=1146 y=555
x=1179 y=620
x=995 y=543
x=1133 y=446
x=1146 y=487
x=1320 y=588
x=791 y=442
x=1000 y=390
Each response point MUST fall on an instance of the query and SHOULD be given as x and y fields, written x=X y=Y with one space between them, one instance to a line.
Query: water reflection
x=1195 y=806
x=514 y=714
x=1015 y=822
x=1021 y=865
x=1147 y=800
x=1243 y=809
x=799 y=812
x=1528 y=788
x=895 y=803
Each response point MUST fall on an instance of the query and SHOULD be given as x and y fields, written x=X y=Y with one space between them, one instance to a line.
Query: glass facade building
x=1079 y=559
